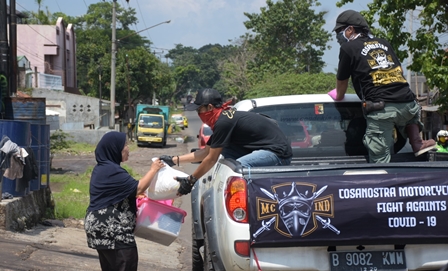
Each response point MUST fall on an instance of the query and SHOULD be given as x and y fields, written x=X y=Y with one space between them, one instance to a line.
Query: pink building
x=51 y=50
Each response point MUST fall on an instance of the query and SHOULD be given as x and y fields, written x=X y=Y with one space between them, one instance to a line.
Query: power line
x=30 y=54
x=129 y=7
x=30 y=12
x=57 y=3
x=165 y=22
x=143 y=18
x=41 y=34
x=36 y=57
x=158 y=48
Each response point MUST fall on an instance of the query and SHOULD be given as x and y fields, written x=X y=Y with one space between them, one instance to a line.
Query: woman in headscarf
x=111 y=216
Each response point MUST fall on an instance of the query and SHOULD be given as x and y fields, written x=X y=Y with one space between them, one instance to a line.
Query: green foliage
x=59 y=141
x=139 y=75
x=289 y=37
x=39 y=17
x=196 y=68
x=428 y=51
x=235 y=73
x=80 y=147
x=291 y=84
x=99 y=16
x=73 y=198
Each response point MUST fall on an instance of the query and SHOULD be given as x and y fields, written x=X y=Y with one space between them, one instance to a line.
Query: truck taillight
x=236 y=199
x=242 y=247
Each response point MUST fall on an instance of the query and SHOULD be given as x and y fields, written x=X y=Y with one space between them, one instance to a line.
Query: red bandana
x=210 y=117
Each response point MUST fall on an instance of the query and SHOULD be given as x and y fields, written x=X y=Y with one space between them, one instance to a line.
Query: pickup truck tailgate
x=363 y=209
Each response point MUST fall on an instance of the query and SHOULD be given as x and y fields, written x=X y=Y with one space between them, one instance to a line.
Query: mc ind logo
x=295 y=209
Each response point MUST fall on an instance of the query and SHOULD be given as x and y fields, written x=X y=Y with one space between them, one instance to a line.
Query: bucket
x=44 y=155
x=25 y=109
x=19 y=132
x=35 y=146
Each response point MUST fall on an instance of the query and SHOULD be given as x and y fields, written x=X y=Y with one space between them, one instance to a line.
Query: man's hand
x=186 y=184
x=167 y=159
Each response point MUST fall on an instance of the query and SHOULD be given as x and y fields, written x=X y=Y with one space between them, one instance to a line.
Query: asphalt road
x=62 y=245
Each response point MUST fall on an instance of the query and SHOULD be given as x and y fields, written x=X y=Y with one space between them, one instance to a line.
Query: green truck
x=152 y=124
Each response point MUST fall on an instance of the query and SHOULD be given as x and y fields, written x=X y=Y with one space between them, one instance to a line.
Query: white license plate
x=368 y=260
x=149 y=139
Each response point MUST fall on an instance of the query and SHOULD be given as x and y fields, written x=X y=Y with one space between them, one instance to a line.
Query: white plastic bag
x=164 y=186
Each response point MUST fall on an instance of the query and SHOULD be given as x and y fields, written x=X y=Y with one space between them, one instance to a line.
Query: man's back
x=375 y=70
x=251 y=131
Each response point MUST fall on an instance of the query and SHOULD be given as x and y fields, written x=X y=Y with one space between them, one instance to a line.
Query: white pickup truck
x=330 y=209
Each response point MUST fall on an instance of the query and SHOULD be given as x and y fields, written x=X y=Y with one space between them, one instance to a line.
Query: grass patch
x=73 y=199
x=59 y=143
x=81 y=147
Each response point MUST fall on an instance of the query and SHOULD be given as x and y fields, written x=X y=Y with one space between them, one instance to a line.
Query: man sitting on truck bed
x=250 y=138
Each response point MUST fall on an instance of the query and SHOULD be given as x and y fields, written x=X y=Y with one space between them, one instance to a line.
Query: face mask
x=210 y=117
x=341 y=38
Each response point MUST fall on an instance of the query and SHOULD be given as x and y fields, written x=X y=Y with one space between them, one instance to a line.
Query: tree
x=39 y=17
x=94 y=35
x=291 y=84
x=196 y=68
x=235 y=73
x=288 y=36
x=139 y=74
x=428 y=51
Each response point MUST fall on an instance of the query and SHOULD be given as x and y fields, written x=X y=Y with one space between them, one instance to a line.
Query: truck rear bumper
x=150 y=140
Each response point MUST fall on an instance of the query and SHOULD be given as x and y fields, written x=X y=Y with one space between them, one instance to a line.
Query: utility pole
x=100 y=70
x=129 y=111
x=4 y=50
x=127 y=77
x=112 y=69
x=13 y=47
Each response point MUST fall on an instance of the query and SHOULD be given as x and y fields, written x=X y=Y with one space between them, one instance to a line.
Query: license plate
x=150 y=139
x=368 y=261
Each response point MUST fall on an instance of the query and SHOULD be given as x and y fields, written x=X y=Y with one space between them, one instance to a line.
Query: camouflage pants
x=379 y=137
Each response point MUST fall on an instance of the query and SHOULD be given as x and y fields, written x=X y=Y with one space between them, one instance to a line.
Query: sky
x=195 y=23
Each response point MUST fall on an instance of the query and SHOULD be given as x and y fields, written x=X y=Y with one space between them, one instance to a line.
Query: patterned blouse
x=112 y=227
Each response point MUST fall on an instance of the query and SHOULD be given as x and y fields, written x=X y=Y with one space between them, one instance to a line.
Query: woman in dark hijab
x=111 y=215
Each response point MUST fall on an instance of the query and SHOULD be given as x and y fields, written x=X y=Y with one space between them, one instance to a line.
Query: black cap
x=205 y=97
x=350 y=17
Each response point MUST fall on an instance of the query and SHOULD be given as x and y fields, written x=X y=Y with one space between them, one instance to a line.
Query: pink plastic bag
x=168 y=202
x=333 y=94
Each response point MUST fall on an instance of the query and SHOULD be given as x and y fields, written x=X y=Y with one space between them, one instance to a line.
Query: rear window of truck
x=320 y=129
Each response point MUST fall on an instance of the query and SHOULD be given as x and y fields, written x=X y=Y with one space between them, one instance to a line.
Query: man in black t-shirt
x=250 y=138
x=378 y=80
